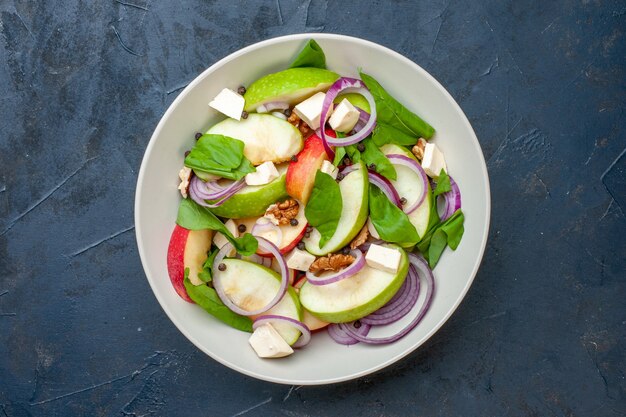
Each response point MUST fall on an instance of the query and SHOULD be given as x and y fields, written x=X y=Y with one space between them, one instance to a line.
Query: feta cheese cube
x=299 y=259
x=372 y=229
x=433 y=161
x=185 y=176
x=385 y=259
x=267 y=343
x=229 y=103
x=344 y=117
x=310 y=110
x=330 y=169
x=220 y=240
x=264 y=174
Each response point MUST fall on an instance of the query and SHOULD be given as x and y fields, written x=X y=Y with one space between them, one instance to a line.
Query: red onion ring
x=452 y=200
x=260 y=228
x=273 y=105
x=414 y=166
x=266 y=262
x=400 y=305
x=348 y=85
x=363 y=118
x=421 y=266
x=342 y=337
x=348 y=169
x=385 y=186
x=284 y=278
x=353 y=268
x=199 y=192
x=304 y=339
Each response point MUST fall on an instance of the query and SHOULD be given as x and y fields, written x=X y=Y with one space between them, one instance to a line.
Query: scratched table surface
x=542 y=330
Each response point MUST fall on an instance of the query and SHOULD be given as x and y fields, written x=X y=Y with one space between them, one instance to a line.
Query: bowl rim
x=276 y=40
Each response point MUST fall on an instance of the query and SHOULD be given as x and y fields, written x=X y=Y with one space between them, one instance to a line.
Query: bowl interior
x=157 y=199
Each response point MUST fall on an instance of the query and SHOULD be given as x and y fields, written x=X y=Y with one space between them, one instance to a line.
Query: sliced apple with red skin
x=291 y=234
x=301 y=173
x=187 y=249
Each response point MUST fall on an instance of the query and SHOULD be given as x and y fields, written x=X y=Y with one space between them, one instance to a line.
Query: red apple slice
x=291 y=234
x=187 y=249
x=301 y=173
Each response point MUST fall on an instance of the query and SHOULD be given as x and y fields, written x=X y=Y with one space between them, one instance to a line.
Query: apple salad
x=318 y=202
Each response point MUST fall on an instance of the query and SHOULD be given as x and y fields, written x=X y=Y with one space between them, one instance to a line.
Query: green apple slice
x=354 y=212
x=265 y=137
x=253 y=200
x=354 y=297
x=409 y=186
x=251 y=286
x=355 y=99
x=291 y=85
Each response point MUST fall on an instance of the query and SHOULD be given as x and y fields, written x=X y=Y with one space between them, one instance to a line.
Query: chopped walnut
x=282 y=213
x=331 y=262
x=185 y=176
x=418 y=149
x=304 y=128
x=361 y=238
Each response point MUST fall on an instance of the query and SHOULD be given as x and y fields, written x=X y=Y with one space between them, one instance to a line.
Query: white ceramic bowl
x=156 y=202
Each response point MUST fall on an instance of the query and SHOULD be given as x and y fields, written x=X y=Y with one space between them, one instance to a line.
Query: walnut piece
x=361 y=238
x=418 y=149
x=185 y=176
x=331 y=262
x=304 y=128
x=282 y=213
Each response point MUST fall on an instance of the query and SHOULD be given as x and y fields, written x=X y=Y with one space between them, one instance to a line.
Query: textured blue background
x=542 y=331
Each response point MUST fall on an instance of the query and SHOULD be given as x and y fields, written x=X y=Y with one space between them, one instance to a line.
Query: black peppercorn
x=309 y=229
x=346 y=161
x=287 y=112
x=198 y=135
x=356 y=324
x=360 y=147
x=300 y=245
x=241 y=90
x=307 y=235
x=242 y=228
x=221 y=267
x=244 y=114
x=293 y=222
x=403 y=201
x=372 y=167
x=340 y=176
x=294 y=158
x=345 y=250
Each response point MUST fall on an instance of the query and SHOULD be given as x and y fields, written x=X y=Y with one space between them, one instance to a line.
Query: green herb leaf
x=206 y=275
x=219 y=155
x=195 y=217
x=391 y=223
x=384 y=133
x=393 y=113
x=447 y=233
x=373 y=155
x=324 y=207
x=443 y=183
x=208 y=299
x=311 y=55
x=340 y=153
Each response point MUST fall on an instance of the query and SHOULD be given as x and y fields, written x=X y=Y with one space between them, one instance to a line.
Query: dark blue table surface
x=542 y=330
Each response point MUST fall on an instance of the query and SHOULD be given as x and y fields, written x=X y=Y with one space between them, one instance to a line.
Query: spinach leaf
x=208 y=299
x=324 y=207
x=219 y=155
x=373 y=155
x=384 y=133
x=195 y=217
x=206 y=275
x=340 y=153
x=447 y=233
x=443 y=184
x=391 y=223
x=392 y=112
x=311 y=55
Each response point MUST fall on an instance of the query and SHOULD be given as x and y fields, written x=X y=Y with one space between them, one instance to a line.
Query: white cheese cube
x=299 y=259
x=330 y=169
x=385 y=259
x=220 y=240
x=264 y=174
x=344 y=117
x=229 y=103
x=372 y=229
x=267 y=343
x=433 y=161
x=310 y=110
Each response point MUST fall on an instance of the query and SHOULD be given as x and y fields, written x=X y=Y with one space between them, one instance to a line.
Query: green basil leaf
x=311 y=55
x=195 y=217
x=391 y=223
x=219 y=155
x=373 y=155
x=393 y=113
x=208 y=299
x=324 y=207
x=384 y=133
x=443 y=183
